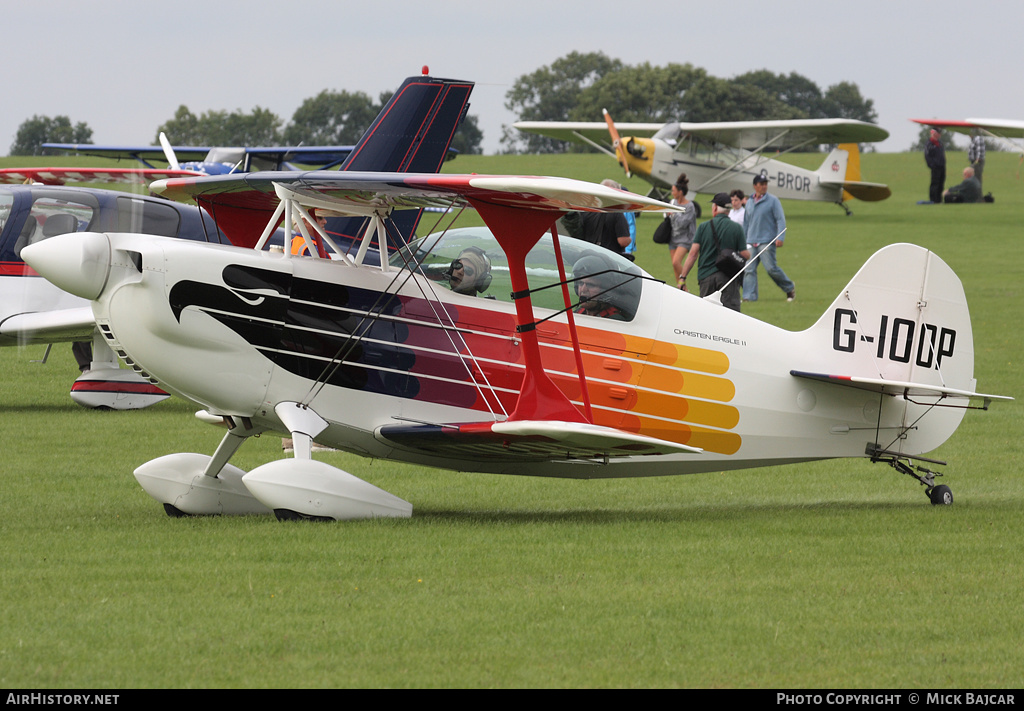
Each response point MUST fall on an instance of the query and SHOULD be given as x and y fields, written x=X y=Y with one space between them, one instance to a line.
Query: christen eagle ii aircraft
x=723 y=156
x=412 y=133
x=581 y=365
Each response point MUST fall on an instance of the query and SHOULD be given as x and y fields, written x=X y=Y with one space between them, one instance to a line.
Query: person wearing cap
x=765 y=228
x=717 y=233
x=935 y=159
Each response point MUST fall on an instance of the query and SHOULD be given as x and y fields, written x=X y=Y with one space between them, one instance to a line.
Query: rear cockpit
x=469 y=261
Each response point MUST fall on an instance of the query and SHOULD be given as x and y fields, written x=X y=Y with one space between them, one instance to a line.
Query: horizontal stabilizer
x=526 y=440
x=899 y=388
x=868 y=192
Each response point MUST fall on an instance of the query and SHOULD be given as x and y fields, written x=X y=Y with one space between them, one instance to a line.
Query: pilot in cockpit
x=596 y=285
x=470 y=273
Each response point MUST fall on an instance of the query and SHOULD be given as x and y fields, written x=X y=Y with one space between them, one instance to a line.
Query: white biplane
x=561 y=360
x=723 y=156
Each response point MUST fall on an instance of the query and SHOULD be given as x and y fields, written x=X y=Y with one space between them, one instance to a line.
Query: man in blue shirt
x=764 y=224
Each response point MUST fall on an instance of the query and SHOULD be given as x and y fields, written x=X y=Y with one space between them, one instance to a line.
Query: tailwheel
x=941 y=495
x=938 y=494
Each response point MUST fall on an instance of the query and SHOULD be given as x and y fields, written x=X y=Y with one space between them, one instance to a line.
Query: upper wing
x=1004 y=128
x=752 y=135
x=527 y=440
x=142 y=153
x=586 y=132
x=59 y=176
x=741 y=134
x=1000 y=127
x=277 y=155
x=243 y=204
x=75 y=324
x=357 y=193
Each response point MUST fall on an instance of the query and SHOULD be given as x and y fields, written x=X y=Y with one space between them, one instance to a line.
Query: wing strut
x=517 y=231
x=572 y=324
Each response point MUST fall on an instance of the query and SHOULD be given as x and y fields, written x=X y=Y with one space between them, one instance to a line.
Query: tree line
x=573 y=88
x=331 y=118
x=577 y=86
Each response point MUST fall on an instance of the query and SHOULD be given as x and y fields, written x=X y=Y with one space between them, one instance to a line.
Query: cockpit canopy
x=619 y=280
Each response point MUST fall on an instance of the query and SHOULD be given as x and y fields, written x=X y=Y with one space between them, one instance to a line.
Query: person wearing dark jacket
x=967 y=191
x=935 y=159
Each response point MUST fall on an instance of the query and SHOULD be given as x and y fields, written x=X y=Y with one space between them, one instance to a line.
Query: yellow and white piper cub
x=726 y=155
x=508 y=350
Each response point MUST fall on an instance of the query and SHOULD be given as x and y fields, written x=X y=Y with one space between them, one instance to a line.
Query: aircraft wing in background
x=749 y=135
x=1000 y=128
x=756 y=135
x=75 y=324
x=60 y=176
x=240 y=159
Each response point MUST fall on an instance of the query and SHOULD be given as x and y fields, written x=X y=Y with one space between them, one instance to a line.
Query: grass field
x=833 y=574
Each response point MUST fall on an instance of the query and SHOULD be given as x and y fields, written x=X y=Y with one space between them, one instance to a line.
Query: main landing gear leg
x=190 y=484
x=304 y=488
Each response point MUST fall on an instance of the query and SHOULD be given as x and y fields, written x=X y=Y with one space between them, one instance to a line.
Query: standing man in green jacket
x=717 y=233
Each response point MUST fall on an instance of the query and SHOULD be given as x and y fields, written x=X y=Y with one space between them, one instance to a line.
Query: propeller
x=172 y=160
x=620 y=150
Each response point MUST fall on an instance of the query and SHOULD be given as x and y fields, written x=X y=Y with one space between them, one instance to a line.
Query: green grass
x=833 y=574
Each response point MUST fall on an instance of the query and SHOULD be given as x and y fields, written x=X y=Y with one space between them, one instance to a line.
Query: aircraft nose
x=77 y=262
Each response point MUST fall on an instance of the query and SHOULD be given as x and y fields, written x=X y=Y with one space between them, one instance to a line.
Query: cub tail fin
x=842 y=167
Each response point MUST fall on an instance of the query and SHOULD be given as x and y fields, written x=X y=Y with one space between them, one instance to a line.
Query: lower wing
x=527 y=440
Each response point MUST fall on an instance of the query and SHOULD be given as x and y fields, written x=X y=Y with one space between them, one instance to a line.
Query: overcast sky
x=124 y=66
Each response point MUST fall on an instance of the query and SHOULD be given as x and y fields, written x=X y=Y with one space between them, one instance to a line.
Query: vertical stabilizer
x=412 y=134
x=836 y=167
x=852 y=160
x=902 y=319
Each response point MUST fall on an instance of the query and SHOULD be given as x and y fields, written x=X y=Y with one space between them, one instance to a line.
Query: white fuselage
x=231 y=329
x=715 y=169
